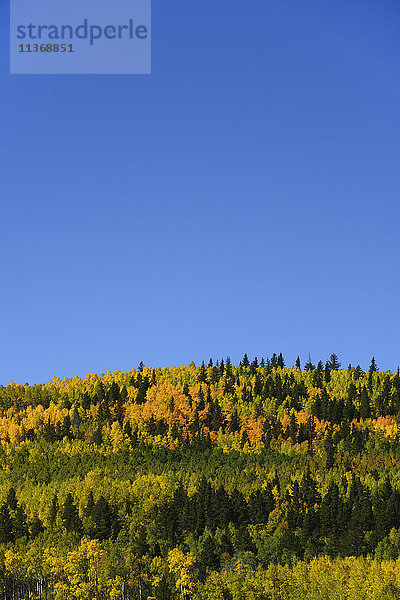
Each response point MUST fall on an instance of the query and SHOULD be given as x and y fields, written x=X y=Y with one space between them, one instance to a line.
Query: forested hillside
x=207 y=482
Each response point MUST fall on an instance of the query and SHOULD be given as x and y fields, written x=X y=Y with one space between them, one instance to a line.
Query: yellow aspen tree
x=181 y=566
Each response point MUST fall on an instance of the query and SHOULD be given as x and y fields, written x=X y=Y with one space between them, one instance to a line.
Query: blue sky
x=242 y=198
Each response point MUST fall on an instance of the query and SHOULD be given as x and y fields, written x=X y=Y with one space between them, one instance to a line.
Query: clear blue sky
x=242 y=198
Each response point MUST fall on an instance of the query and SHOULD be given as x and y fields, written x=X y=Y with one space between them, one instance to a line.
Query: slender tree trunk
x=96 y=582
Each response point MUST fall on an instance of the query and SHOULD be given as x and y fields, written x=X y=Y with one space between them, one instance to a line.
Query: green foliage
x=219 y=481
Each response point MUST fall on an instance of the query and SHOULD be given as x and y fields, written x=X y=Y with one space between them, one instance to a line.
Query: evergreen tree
x=202 y=376
x=97 y=436
x=221 y=367
x=334 y=363
x=208 y=556
x=20 y=528
x=245 y=362
x=329 y=449
x=365 y=407
x=66 y=428
x=327 y=372
x=70 y=516
x=309 y=365
x=76 y=420
x=12 y=499
x=373 y=368
x=128 y=430
x=104 y=521
x=357 y=372
x=53 y=510
x=88 y=516
x=85 y=402
x=234 y=423
x=36 y=527
x=244 y=439
x=6 y=525
x=138 y=541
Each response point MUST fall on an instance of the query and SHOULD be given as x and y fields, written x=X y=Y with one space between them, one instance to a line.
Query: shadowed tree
x=70 y=515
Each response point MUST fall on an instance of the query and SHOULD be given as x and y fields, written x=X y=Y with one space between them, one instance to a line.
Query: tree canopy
x=215 y=481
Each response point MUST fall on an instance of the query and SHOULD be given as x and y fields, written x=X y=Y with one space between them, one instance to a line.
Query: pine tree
x=70 y=515
x=334 y=363
x=128 y=430
x=104 y=414
x=88 y=514
x=373 y=367
x=327 y=372
x=202 y=376
x=6 y=525
x=118 y=410
x=76 y=420
x=103 y=520
x=234 y=423
x=317 y=410
x=53 y=510
x=208 y=555
x=244 y=439
x=329 y=449
x=245 y=362
x=257 y=385
x=138 y=541
x=221 y=367
x=36 y=527
x=20 y=528
x=66 y=428
x=85 y=402
x=357 y=372
x=309 y=365
x=97 y=437
x=12 y=499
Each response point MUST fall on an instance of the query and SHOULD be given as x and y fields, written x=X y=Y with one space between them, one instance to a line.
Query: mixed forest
x=210 y=482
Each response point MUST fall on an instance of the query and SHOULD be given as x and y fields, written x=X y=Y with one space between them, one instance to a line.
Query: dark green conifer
x=6 y=525
x=12 y=499
x=53 y=510
x=280 y=361
x=36 y=527
x=373 y=368
x=334 y=363
x=70 y=516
